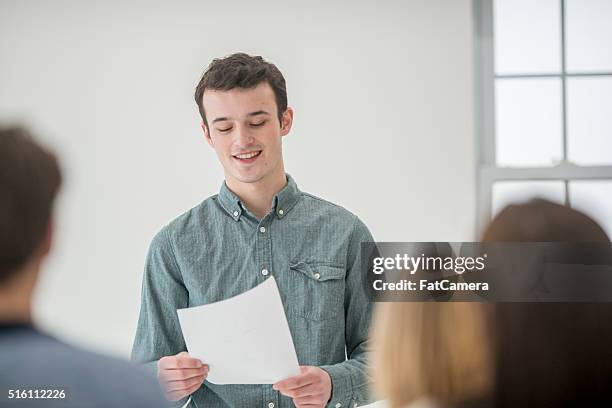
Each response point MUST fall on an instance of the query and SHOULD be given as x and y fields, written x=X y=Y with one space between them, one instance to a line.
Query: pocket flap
x=319 y=272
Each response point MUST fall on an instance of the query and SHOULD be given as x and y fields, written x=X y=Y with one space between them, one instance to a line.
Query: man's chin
x=248 y=178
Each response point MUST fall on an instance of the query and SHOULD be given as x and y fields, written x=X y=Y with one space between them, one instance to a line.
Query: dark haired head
x=550 y=354
x=241 y=70
x=29 y=181
x=543 y=221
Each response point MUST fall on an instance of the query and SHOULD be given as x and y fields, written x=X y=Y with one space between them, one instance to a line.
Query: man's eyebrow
x=259 y=112
x=219 y=120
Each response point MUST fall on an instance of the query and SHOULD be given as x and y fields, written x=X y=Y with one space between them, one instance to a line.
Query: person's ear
x=286 y=121
x=207 y=135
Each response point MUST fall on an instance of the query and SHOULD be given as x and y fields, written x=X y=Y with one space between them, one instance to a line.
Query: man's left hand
x=311 y=388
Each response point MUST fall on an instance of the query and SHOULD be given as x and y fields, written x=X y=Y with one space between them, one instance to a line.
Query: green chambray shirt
x=220 y=249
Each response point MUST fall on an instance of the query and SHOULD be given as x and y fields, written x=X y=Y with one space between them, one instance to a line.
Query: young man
x=36 y=369
x=259 y=225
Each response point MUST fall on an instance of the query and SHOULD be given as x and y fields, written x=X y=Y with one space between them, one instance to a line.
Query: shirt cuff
x=342 y=389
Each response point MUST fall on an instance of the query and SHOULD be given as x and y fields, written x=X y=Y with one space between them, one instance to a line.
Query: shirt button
x=317 y=275
x=236 y=213
x=338 y=405
x=262 y=229
x=270 y=405
x=280 y=212
x=264 y=272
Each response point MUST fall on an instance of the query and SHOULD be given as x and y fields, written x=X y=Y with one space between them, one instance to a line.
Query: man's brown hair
x=29 y=181
x=241 y=70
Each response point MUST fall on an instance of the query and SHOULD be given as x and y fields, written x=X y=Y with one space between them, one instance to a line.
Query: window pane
x=528 y=122
x=589 y=121
x=527 y=36
x=593 y=197
x=588 y=35
x=512 y=192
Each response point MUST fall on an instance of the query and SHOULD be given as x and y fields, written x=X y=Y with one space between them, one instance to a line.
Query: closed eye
x=263 y=122
x=225 y=130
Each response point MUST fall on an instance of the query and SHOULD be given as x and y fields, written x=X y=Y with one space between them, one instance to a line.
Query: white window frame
x=488 y=172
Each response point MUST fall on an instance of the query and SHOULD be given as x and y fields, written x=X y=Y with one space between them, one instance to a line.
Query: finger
x=293 y=382
x=184 y=384
x=170 y=361
x=307 y=391
x=184 y=361
x=182 y=373
x=296 y=393
x=188 y=362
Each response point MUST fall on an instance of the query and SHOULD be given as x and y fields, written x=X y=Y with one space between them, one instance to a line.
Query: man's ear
x=207 y=134
x=286 y=121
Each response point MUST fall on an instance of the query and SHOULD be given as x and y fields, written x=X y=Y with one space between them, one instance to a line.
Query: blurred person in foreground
x=430 y=354
x=36 y=369
x=550 y=354
x=500 y=354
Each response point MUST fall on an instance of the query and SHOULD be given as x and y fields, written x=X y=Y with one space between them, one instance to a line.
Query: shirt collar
x=6 y=326
x=282 y=203
x=286 y=198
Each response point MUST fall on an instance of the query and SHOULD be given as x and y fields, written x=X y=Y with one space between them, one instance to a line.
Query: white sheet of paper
x=244 y=339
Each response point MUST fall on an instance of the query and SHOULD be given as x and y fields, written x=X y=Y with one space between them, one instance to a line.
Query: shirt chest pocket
x=317 y=290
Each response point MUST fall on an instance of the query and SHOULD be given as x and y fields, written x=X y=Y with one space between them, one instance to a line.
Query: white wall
x=384 y=125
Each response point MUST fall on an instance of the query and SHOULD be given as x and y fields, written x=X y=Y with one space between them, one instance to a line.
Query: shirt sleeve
x=351 y=382
x=158 y=332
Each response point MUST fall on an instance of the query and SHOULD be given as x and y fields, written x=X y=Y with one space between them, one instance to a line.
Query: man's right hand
x=180 y=375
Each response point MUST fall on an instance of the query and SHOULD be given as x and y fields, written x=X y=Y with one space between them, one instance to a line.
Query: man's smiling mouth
x=248 y=156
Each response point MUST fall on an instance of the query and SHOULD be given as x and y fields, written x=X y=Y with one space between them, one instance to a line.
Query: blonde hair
x=430 y=349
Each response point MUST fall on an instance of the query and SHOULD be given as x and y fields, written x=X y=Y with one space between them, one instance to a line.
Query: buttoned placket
x=263 y=245
x=263 y=250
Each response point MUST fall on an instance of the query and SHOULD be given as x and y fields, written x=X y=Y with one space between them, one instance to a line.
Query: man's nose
x=243 y=136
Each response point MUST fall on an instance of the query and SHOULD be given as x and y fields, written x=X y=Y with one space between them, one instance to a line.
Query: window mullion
x=563 y=83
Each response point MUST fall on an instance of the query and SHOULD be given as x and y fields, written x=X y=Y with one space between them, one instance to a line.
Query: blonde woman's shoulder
x=419 y=403
x=424 y=402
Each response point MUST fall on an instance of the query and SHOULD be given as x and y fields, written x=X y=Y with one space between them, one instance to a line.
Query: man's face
x=244 y=130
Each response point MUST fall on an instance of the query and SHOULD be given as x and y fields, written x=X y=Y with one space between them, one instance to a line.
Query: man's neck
x=14 y=313
x=16 y=296
x=258 y=196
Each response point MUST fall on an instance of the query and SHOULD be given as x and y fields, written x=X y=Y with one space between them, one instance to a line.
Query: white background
x=384 y=126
